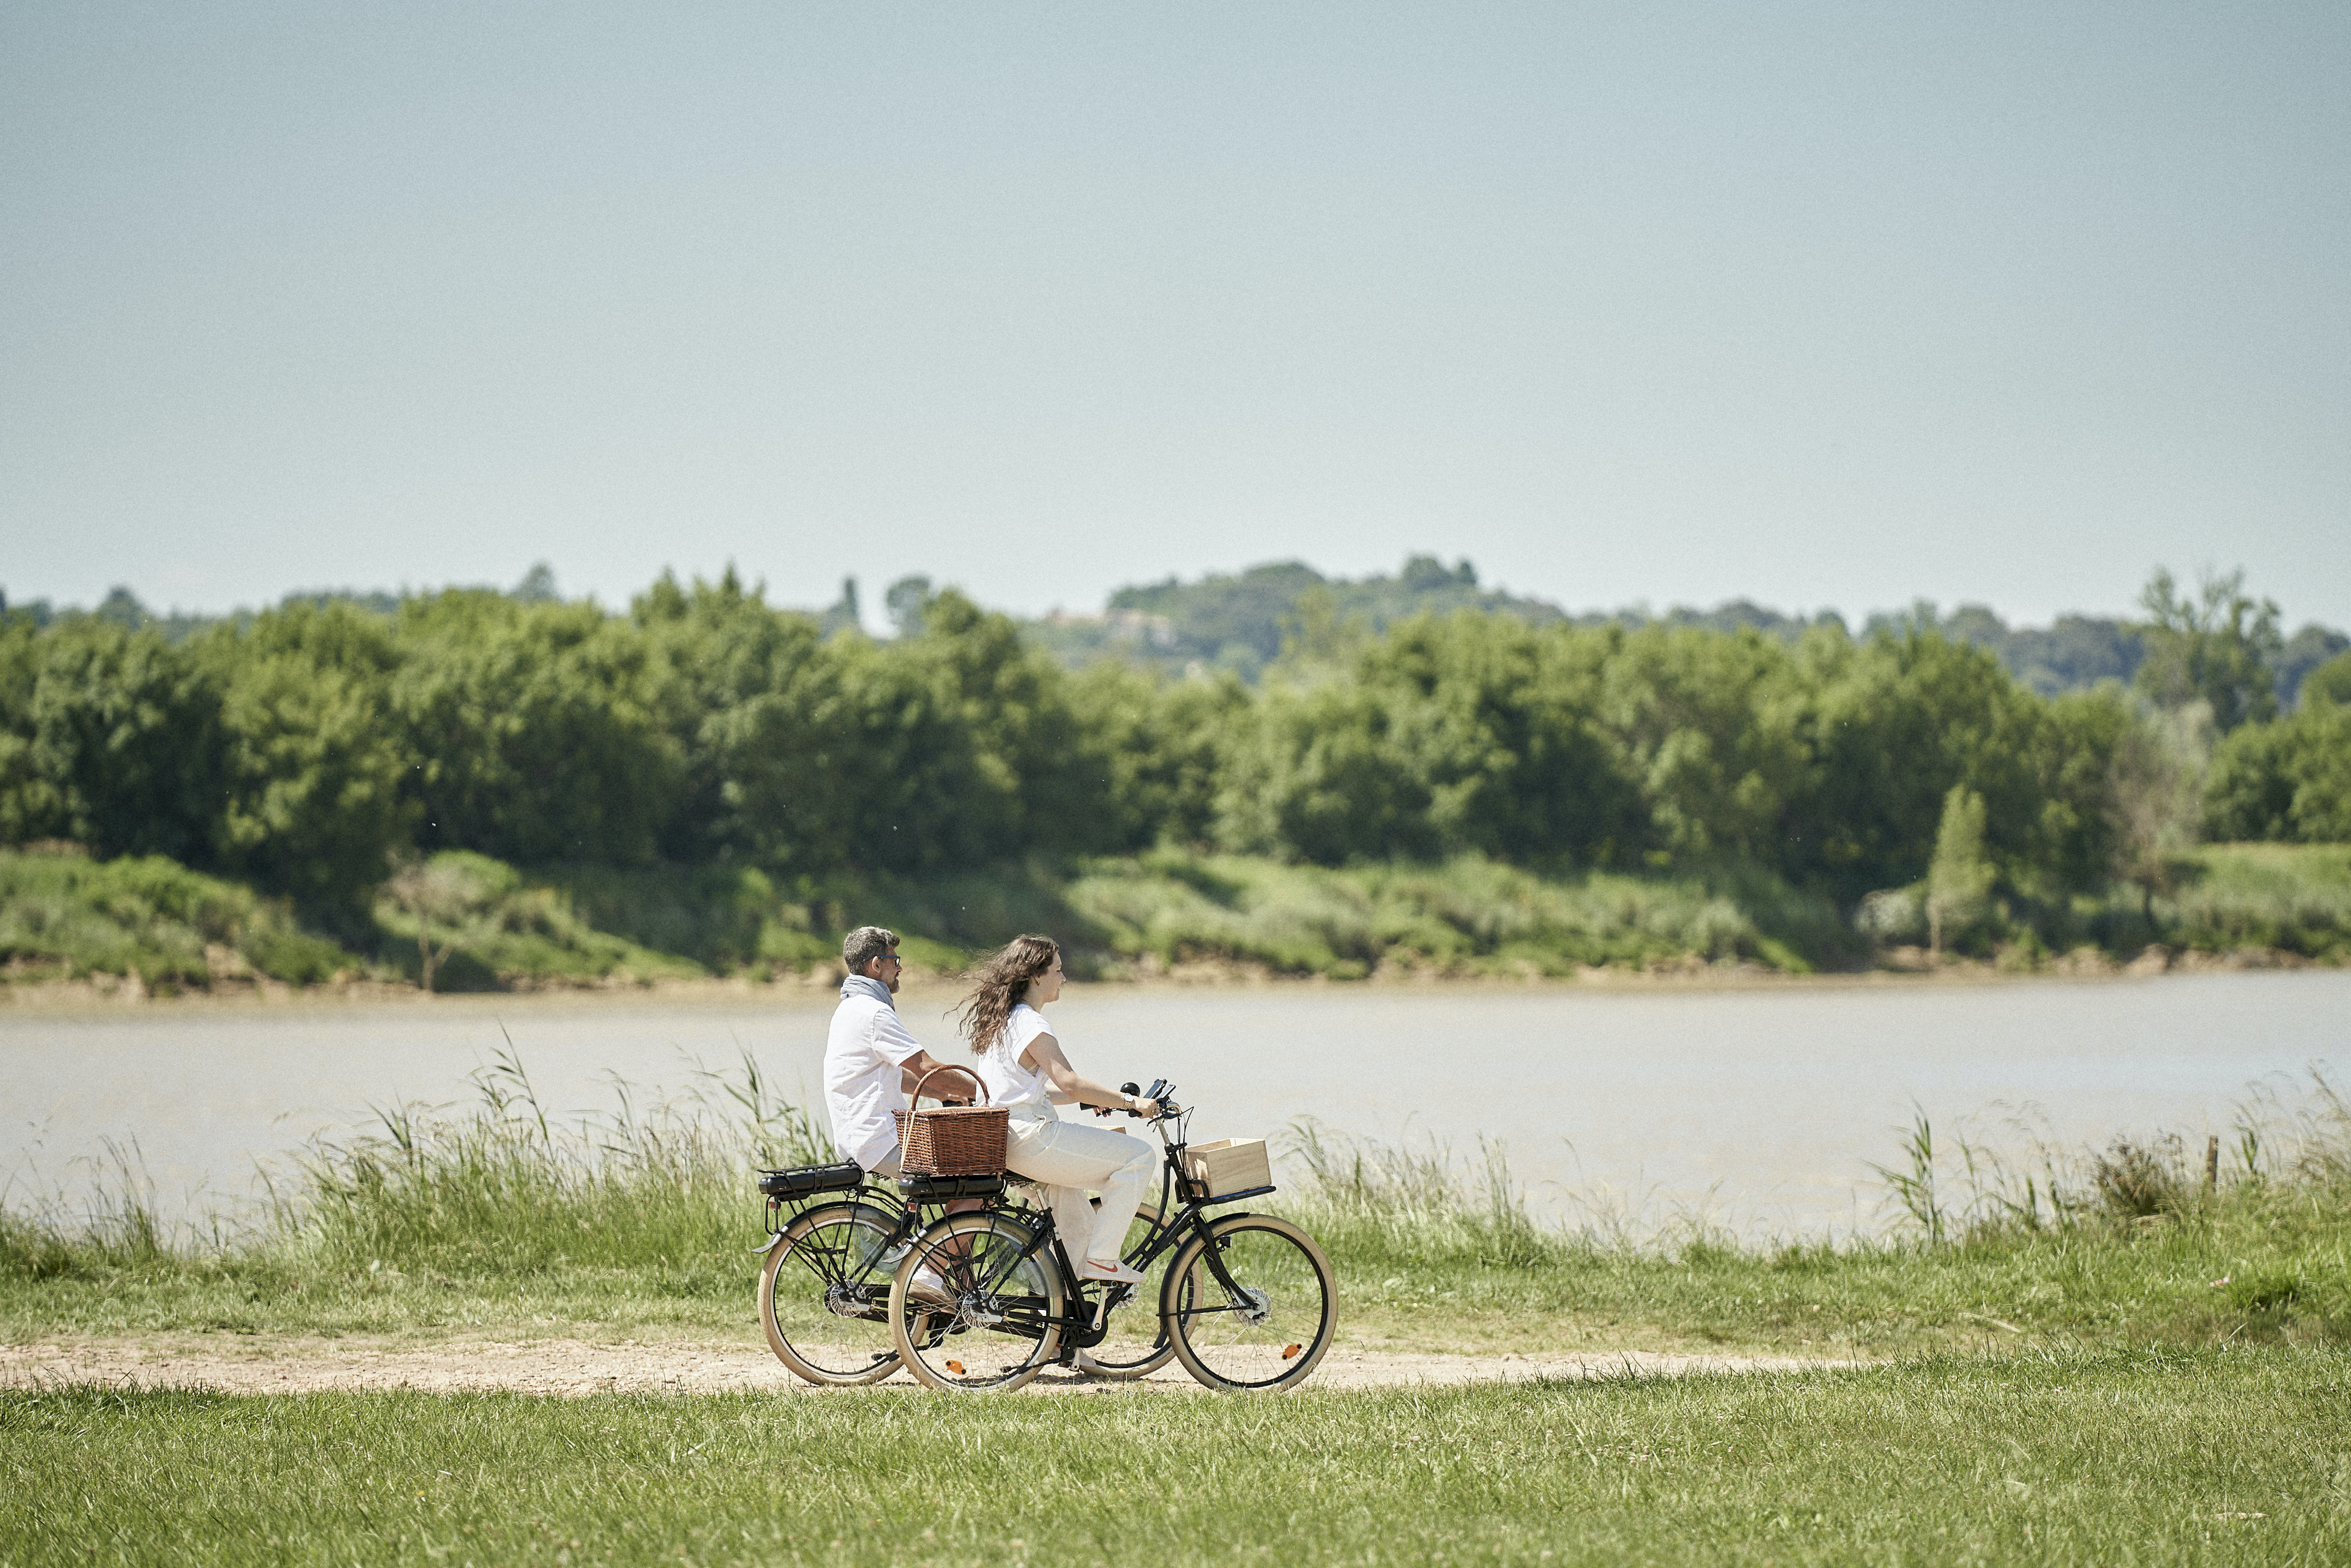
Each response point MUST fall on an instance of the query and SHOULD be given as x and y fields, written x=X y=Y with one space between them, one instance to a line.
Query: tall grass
x=492 y=1210
x=500 y=1187
x=1378 y=1202
x=2285 y=1148
x=493 y=1187
x=2121 y=1241
x=116 y=1225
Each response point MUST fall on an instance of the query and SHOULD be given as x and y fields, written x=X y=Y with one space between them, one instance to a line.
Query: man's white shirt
x=862 y=1057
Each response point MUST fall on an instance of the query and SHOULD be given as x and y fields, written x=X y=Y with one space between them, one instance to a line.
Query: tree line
x=313 y=747
x=1237 y=622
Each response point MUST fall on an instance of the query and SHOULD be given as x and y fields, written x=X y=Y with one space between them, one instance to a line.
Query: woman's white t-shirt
x=1009 y=1084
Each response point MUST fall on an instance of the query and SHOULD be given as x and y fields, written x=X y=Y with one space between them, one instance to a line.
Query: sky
x=1831 y=307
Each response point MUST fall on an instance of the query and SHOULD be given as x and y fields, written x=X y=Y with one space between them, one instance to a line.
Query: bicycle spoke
x=827 y=1316
x=999 y=1331
x=1135 y=1342
x=1268 y=1321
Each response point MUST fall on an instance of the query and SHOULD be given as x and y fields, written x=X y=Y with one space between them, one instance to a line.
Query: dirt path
x=574 y=1366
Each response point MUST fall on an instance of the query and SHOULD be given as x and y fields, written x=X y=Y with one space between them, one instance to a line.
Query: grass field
x=2217 y=1456
x=2098 y=1360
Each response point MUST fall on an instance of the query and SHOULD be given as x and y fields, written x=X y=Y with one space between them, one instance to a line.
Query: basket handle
x=916 y=1098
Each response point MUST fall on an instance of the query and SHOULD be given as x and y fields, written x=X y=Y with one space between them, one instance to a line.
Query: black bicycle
x=835 y=1236
x=988 y=1299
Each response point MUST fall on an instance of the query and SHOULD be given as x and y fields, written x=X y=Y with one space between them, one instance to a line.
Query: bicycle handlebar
x=1158 y=1090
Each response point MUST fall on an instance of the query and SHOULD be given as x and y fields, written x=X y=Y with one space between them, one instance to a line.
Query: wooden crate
x=1229 y=1165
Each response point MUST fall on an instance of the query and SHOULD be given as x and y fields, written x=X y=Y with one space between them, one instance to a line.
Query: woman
x=1026 y=1072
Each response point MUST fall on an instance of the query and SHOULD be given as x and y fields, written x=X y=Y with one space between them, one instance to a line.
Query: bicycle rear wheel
x=994 y=1320
x=1259 y=1314
x=824 y=1295
x=1135 y=1342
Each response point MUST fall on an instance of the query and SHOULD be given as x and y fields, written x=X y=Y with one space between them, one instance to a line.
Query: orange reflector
x=1291 y=1353
x=956 y=1367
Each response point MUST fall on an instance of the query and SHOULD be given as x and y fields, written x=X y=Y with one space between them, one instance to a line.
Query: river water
x=1760 y=1109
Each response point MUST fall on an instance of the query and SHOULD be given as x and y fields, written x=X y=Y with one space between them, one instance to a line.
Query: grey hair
x=866 y=944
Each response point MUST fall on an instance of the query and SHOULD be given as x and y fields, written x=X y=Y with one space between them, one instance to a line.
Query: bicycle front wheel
x=977 y=1305
x=824 y=1295
x=1249 y=1306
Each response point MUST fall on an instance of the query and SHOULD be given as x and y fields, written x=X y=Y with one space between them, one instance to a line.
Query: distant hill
x=2080 y=651
x=1237 y=622
x=123 y=607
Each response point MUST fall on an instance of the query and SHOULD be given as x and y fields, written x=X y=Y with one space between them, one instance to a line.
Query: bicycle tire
x=835 y=1244
x=1122 y=1357
x=1001 y=1331
x=1273 y=1336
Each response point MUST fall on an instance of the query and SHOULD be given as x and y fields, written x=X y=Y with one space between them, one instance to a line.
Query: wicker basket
x=952 y=1139
x=1228 y=1165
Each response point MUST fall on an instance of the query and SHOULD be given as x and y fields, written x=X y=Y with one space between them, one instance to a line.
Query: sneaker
x=1111 y=1273
x=931 y=1287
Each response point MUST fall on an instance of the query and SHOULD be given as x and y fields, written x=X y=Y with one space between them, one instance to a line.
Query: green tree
x=1890 y=726
x=2218 y=649
x=1471 y=733
x=125 y=730
x=1708 y=725
x=737 y=684
x=1162 y=745
x=314 y=768
x=1501 y=728
x=1321 y=775
x=442 y=896
x=1958 y=878
x=530 y=728
x=904 y=602
x=31 y=807
x=2156 y=781
x=2072 y=756
x=2330 y=683
x=2289 y=781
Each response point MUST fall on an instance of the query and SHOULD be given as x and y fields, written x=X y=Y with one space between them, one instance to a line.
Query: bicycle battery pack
x=812 y=1178
x=941 y=1188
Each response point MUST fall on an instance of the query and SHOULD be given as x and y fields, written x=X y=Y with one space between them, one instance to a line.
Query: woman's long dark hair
x=998 y=984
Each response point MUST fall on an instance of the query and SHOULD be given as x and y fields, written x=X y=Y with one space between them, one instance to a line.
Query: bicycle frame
x=904 y=1222
x=1171 y=1230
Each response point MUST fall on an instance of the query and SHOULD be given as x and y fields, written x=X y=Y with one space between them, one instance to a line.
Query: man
x=871 y=1062
x=870 y=1065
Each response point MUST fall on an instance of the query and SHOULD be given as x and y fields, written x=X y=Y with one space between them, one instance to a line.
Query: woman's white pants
x=1066 y=1159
